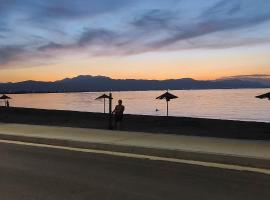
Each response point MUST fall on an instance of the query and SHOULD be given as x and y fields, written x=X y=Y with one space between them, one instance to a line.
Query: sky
x=50 y=40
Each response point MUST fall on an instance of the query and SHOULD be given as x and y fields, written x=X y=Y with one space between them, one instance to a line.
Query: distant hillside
x=89 y=83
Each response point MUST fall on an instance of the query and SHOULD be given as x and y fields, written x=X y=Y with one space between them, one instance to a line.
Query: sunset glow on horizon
x=52 y=40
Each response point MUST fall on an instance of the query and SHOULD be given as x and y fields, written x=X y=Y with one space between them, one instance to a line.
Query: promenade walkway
x=243 y=148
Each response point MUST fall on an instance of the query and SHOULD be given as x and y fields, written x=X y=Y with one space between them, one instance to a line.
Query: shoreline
x=140 y=123
x=62 y=92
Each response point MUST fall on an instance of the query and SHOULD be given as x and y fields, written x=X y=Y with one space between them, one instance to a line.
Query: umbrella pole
x=167 y=108
x=110 y=111
x=104 y=105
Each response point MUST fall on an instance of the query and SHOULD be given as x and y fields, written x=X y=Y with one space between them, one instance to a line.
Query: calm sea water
x=237 y=104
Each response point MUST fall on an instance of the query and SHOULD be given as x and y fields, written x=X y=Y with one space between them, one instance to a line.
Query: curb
x=167 y=153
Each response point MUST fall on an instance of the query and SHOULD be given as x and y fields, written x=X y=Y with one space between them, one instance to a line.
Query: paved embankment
x=153 y=124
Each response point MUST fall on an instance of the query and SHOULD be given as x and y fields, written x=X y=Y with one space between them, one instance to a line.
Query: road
x=28 y=173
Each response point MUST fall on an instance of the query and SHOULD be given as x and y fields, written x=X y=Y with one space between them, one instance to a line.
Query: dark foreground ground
x=28 y=173
x=142 y=123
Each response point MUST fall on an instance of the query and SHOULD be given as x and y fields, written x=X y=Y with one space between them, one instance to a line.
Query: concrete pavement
x=235 y=151
x=31 y=173
x=36 y=169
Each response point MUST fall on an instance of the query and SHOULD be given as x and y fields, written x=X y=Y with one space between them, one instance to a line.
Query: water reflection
x=239 y=104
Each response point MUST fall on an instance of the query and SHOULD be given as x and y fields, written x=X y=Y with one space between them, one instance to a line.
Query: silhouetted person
x=7 y=104
x=118 y=114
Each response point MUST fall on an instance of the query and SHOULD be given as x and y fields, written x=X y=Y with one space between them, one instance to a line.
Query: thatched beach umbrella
x=104 y=97
x=167 y=96
x=5 y=98
x=264 y=96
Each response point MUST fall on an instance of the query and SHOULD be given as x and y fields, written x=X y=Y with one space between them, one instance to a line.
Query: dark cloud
x=89 y=37
x=155 y=19
x=47 y=12
x=51 y=46
x=97 y=36
x=223 y=7
x=61 y=8
x=10 y=53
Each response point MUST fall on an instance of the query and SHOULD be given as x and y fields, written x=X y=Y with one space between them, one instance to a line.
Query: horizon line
x=258 y=76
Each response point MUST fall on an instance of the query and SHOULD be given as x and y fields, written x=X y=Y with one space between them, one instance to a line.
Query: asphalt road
x=42 y=174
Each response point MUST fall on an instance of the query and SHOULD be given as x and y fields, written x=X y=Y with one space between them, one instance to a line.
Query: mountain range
x=88 y=83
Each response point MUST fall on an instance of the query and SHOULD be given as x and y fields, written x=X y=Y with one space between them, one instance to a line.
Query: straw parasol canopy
x=104 y=97
x=167 y=96
x=264 y=96
x=5 y=98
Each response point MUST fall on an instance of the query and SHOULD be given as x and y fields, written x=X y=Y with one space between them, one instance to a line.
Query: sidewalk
x=187 y=147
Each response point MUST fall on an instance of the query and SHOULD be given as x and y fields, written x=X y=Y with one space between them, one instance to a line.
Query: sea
x=232 y=104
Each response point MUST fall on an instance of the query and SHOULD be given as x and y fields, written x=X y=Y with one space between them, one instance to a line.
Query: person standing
x=118 y=114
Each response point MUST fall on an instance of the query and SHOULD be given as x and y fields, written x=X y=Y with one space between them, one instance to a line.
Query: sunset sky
x=152 y=39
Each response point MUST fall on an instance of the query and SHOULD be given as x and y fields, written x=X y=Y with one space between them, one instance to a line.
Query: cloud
x=250 y=76
x=223 y=7
x=155 y=19
x=97 y=27
x=97 y=36
x=51 y=46
x=57 y=11
x=167 y=29
x=3 y=26
x=218 y=18
x=89 y=38
x=10 y=53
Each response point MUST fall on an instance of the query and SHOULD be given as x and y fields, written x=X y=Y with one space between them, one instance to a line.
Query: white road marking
x=139 y=156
